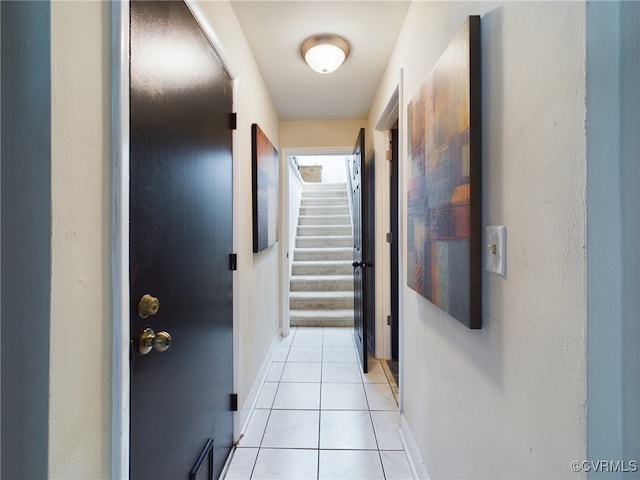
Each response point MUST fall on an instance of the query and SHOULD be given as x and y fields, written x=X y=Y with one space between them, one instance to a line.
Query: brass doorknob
x=149 y=340
x=148 y=306
x=161 y=341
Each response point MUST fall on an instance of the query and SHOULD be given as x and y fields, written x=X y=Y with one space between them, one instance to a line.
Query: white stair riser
x=322 y=202
x=324 y=230
x=325 y=186
x=320 y=242
x=315 y=254
x=324 y=220
x=324 y=194
x=325 y=210
x=300 y=268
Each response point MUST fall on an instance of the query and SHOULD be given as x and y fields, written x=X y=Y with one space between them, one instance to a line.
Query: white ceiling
x=276 y=29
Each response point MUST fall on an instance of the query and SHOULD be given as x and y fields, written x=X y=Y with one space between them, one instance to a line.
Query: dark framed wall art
x=444 y=237
x=264 y=166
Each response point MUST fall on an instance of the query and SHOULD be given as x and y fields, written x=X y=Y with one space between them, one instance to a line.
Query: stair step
x=336 y=253
x=321 y=283
x=338 y=267
x=324 y=220
x=321 y=318
x=323 y=230
x=319 y=202
x=320 y=300
x=324 y=194
x=324 y=186
x=325 y=210
x=325 y=241
x=321 y=287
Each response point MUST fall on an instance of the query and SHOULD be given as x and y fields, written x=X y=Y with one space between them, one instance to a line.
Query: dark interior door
x=369 y=248
x=395 y=247
x=180 y=241
x=359 y=254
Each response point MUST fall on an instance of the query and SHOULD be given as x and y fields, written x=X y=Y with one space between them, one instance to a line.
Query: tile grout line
x=320 y=403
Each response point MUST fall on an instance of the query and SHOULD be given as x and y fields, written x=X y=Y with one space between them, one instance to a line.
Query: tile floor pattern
x=318 y=417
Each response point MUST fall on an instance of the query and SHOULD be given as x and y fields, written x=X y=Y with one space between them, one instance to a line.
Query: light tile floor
x=318 y=417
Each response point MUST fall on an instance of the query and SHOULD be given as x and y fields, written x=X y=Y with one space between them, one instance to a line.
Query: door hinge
x=389 y=237
x=389 y=320
x=388 y=155
x=233 y=121
x=233 y=261
x=234 y=402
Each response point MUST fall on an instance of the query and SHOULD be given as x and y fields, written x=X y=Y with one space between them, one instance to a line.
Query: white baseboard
x=243 y=415
x=416 y=464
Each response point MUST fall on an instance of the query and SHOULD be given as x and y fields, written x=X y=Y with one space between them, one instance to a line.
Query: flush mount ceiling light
x=324 y=53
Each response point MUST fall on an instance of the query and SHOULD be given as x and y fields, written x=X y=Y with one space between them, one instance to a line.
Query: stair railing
x=348 y=162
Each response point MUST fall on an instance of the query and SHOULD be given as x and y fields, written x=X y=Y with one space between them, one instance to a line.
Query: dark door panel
x=180 y=241
x=360 y=271
x=395 y=246
x=369 y=248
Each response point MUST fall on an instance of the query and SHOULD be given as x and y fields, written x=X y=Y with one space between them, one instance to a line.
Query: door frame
x=392 y=112
x=285 y=227
x=120 y=111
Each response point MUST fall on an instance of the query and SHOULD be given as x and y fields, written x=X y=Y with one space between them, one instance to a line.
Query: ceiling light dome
x=324 y=53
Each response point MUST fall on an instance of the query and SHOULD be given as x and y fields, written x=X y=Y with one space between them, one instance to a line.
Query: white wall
x=507 y=401
x=334 y=168
x=80 y=405
x=295 y=195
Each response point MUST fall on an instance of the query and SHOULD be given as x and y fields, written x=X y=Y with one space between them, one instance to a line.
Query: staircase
x=321 y=290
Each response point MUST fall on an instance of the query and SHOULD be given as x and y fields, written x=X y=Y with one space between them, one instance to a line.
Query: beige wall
x=507 y=401
x=81 y=311
x=320 y=133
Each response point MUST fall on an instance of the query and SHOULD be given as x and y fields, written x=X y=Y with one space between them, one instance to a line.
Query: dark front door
x=180 y=241
x=363 y=274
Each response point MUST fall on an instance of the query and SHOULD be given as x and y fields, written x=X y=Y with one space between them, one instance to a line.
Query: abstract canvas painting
x=265 y=190
x=444 y=203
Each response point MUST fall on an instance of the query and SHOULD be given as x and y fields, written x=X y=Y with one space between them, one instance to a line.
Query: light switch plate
x=495 y=249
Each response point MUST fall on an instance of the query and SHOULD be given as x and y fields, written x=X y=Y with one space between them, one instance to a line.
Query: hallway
x=319 y=417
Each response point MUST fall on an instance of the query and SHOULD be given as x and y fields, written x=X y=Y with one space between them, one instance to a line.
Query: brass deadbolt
x=148 y=306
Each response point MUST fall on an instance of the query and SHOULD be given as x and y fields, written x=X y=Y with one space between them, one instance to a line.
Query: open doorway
x=390 y=128
x=320 y=283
